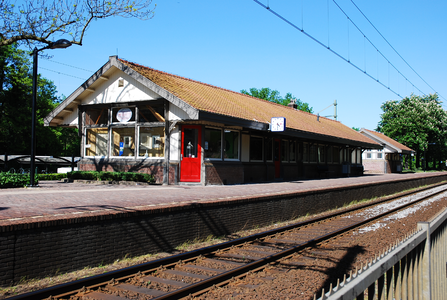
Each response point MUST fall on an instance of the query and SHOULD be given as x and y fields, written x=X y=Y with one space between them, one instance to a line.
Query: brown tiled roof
x=208 y=98
x=389 y=140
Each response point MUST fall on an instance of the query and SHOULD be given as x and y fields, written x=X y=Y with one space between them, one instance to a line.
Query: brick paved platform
x=55 y=200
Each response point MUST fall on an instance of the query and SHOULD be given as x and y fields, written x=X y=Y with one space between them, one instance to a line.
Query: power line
x=339 y=55
x=64 y=64
x=394 y=49
x=61 y=73
x=378 y=51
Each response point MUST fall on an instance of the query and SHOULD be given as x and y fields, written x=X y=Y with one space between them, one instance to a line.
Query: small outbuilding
x=386 y=160
x=135 y=118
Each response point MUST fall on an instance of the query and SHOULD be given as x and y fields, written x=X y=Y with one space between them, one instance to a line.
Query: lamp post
x=59 y=44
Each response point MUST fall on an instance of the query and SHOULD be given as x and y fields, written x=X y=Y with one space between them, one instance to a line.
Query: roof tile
x=389 y=140
x=217 y=100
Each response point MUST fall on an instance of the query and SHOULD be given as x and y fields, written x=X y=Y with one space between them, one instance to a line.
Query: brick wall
x=224 y=172
x=374 y=166
x=154 y=167
x=42 y=249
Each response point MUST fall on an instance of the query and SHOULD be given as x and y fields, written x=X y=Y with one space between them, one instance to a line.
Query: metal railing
x=414 y=268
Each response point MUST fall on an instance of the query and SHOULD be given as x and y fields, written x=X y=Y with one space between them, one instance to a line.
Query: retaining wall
x=42 y=249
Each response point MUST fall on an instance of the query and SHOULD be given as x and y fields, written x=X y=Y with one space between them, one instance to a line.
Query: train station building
x=386 y=160
x=134 y=118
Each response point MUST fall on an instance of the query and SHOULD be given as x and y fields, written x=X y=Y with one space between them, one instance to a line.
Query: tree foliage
x=417 y=122
x=15 y=110
x=44 y=21
x=275 y=97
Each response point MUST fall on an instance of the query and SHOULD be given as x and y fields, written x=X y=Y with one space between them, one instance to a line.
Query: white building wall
x=174 y=154
x=176 y=113
x=71 y=119
x=120 y=87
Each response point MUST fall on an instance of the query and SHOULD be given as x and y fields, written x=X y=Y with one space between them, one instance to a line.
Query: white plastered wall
x=175 y=145
x=72 y=119
x=176 y=113
x=120 y=87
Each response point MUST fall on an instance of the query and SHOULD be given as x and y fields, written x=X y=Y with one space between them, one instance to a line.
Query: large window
x=152 y=142
x=292 y=151
x=329 y=154
x=321 y=154
x=269 y=149
x=284 y=150
x=305 y=152
x=213 y=143
x=255 y=148
x=96 y=116
x=313 y=153
x=96 y=142
x=149 y=114
x=118 y=130
x=336 y=155
x=123 y=141
x=231 y=139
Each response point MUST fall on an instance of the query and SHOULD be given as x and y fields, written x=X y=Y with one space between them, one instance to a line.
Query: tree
x=275 y=97
x=42 y=20
x=15 y=110
x=419 y=123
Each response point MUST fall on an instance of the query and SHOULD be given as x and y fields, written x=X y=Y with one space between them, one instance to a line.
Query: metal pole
x=33 y=120
x=60 y=44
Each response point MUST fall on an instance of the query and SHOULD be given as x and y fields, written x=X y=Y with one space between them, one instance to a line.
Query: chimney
x=292 y=104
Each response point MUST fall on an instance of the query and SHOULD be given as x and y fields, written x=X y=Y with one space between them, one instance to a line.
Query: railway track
x=194 y=273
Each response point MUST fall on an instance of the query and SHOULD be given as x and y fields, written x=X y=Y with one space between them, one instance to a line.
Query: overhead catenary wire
x=61 y=73
x=394 y=49
x=67 y=65
x=378 y=51
x=325 y=46
x=341 y=56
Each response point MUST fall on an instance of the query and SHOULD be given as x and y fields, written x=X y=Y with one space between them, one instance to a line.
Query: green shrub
x=111 y=176
x=13 y=180
x=87 y=175
x=52 y=176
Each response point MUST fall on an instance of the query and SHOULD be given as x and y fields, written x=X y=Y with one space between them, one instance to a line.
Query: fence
x=24 y=160
x=412 y=269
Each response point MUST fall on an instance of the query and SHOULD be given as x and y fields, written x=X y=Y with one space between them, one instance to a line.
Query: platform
x=55 y=199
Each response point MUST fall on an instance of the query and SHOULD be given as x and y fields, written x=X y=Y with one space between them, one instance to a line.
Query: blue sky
x=239 y=44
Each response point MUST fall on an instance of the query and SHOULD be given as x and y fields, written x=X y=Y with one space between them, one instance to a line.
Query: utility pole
x=335 y=111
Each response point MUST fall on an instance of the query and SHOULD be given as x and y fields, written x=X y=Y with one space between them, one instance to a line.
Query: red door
x=277 y=157
x=190 y=165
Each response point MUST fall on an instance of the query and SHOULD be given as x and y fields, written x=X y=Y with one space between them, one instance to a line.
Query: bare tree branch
x=43 y=21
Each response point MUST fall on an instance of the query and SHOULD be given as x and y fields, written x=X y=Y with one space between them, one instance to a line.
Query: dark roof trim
x=254 y=125
x=192 y=112
x=384 y=142
x=232 y=121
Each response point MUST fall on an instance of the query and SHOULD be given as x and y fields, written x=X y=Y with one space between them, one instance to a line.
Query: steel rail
x=103 y=279
x=215 y=280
